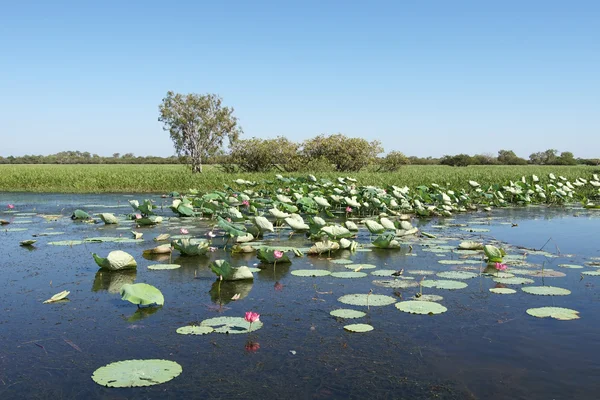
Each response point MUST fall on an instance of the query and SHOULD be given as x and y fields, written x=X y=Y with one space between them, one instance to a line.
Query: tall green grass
x=166 y=178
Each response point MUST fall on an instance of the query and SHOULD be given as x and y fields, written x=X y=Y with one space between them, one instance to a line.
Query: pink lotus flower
x=234 y=195
x=348 y=209
x=278 y=254
x=11 y=206
x=184 y=231
x=246 y=203
x=252 y=347
x=252 y=317
x=501 y=267
x=138 y=216
x=228 y=219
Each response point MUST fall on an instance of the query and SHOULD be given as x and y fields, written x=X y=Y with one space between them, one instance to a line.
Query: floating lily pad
x=366 y=299
x=134 y=373
x=499 y=274
x=348 y=275
x=14 y=229
x=311 y=272
x=443 y=284
x=383 y=272
x=503 y=290
x=548 y=273
x=572 y=266
x=347 y=313
x=194 y=330
x=591 y=273
x=421 y=272
x=514 y=281
x=420 y=307
x=546 y=290
x=164 y=266
x=361 y=266
x=457 y=275
x=342 y=261
x=428 y=297
x=358 y=328
x=254 y=269
x=451 y=262
x=231 y=325
x=395 y=283
x=57 y=297
x=66 y=243
x=563 y=314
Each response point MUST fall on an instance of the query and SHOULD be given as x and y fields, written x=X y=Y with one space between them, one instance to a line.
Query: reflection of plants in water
x=222 y=292
x=113 y=281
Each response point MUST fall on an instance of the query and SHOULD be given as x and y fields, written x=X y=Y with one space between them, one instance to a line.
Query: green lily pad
x=383 y=272
x=358 y=328
x=163 y=266
x=66 y=243
x=367 y=300
x=361 y=266
x=14 y=229
x=231 y=325
x=116 y=260
x=342 y=261
x=563 y=314
x=396 y=283
x=572 y=266
x=451 y=262
x=457 y=275
x=503 y=291
x=348 y=275
x=311 y=272
x=421 y=307
x=443 y=284
x=546 y=290
x=194 y=330
x=347 y=313
x=421 y=272
x=135 y=373
x=548 y=273
x=513 y=281
x=591 y=273
x=254 y=269
x=428 y=297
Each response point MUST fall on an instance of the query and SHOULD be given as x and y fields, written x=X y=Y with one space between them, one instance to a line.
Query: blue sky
x=427 y=78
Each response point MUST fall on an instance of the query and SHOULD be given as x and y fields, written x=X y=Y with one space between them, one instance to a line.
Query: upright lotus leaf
x=387 y=223
x=296 y=222
x=151 y=220
x=493 y=253
x=116 y=260
x=137 y=235
x=108 y=218
x=374 y=227
x=222 y=268
x=162 y=249
x=183 y=207
x=470 y=245
x=267 y=255
x=80 y=215
x=232 y=229
x=142 y=294
x=337 y=232
x=348 y=244
x=324 y=247
x=351 y=226
x=318 y=221
x=278 y=214
x=191 y=247
x=263 y=224
x=134 y=373
x=248 y=237
x=321 y=201
x=386 y=242
x=161 y=237
x=146 y=207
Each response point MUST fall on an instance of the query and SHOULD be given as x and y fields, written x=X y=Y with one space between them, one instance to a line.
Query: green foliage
x=198 y=125
x=392 y=162
x=346 y=154
x=261 y=155
x=508 y=157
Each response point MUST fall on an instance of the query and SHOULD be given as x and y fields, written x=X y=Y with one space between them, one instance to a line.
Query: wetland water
x=484 y=347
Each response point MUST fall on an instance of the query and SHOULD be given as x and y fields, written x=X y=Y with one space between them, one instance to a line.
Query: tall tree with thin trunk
x=198 y=125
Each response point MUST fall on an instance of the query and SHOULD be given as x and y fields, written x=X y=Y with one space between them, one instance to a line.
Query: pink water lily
x=278 y=254
x=138 y=216
x=234 y=195
x=184 y=231
x=252 y=317
x=501 y=267
x=348 y=209
x=246 y=203
x=11 y=206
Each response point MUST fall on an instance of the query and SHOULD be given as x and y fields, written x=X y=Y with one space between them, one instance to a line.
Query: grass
x=166 y=178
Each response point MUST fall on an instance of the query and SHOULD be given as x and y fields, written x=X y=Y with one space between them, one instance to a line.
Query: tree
x=260 y=155
x=198 y=125
x=508 y=157
x=347 y=154
x=566 y=158
x=392 y=161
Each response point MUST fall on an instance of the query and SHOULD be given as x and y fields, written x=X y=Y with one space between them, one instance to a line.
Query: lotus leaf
x=191 y=247
x=57 y=297
x=592 y=273
x=163 y=266
x=348 y=274
x=311 y=272
x=347 y=313
x=231 y=325
x=443 y=284
x=396 y=283
x=457 y=275
x=503 y=291
x=135 y=373
x=546 y=290
x=116 y=260
x=367 y=300
x=386 y=242
x=513 y=281
x=324 y=247
x=195 y=330
x=80 y=215
x=162 y=249
x=421 y=307
x=358 y=328
x=563 y=314
x=142 y=294
x=429 y=297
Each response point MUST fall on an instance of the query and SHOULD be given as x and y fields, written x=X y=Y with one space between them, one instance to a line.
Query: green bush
x=261 y=155
x=392 y=161
x=346 y=154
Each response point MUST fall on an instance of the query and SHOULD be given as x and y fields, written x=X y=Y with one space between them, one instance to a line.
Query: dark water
x=484 y=347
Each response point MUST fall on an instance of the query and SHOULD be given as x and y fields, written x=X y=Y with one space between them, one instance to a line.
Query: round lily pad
x=503 y=291
x=457 y=275
x=395 y=283
x=164 y=266
x=66 y=243
x=231 y=325
x=361 y=266
x=134 y=373
x=421 y=272
x=429 y=297
x=311 y=272
x=546 y=290
x=563 y=314
x=195 y=330
x=443 y=284
x=367 y=299
x=451 y=262
x=347 y=313
x=349 y=274
x=420 y=307
x=591 y=273
x=383 y=272
x=548 y=273
x=572 y=266
x=475 y=230
x=342 y=261
x=358 y=328
x=514 y=281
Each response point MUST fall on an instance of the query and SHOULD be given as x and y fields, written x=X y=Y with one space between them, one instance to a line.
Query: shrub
x=261 y=155
x=392 y=162
x=346 y=154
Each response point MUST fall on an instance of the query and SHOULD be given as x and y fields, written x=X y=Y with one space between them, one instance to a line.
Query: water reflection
x=228 y=290
x=143 y=312
x=112 y=281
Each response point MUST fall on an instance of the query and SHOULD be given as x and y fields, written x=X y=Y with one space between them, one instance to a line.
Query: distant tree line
x=78 y=157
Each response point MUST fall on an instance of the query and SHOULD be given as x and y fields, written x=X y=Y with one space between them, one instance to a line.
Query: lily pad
x=514 y=281
x=451 y=262
x=421 y=272
x=341 y=261
x=572 y=266
x=231 y=325
x=163 y=266
x=116 y=260
x=421 y=307
x=347 y=313
x=348 y=274
x=367 y=300
x=563 y=314
x=358 y=328
x=195 y=330
x=443 y=284
x=57 y=297
x=311 y=272
x=135 y=373
x=503 y=290
x=383 y=272
x=546 y=290
x=457 y=275
x=591 y=273
x=429 y=297
x=66 y=243
x=27 y=242
x=396 y=283
x=361 y=266
x=142 y=294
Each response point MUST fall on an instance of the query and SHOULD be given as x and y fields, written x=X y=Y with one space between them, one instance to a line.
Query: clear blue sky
x=423 y=77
